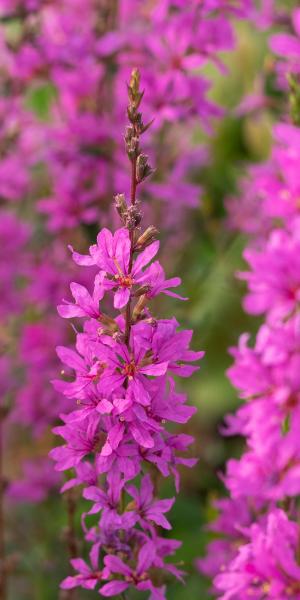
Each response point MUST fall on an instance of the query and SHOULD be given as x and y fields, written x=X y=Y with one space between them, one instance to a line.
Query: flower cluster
x=60 y=159
x=258 y=555
x=122 y=378
x=267 y=566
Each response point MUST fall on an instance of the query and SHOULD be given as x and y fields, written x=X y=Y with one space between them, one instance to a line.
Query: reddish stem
x=133 y=201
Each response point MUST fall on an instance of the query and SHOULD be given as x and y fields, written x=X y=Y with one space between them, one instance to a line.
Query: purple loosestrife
x=257 y=555
x=116 y=438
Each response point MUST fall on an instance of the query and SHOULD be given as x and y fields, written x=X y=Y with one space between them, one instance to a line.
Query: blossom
x=266 y=564
x=125 y=393
x=257 y=553
x=287 y=45
x=273 y=279
x=147 y=508
x=87 y=577
x=137 y=577
x=85 y=305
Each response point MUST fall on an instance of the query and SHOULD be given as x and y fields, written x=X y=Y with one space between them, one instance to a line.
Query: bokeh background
x=207 y=258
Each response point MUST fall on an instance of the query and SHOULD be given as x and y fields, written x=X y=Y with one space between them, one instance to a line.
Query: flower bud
x=132 y=147
x=135 y=96
x=133 y=216
x=110 y=325
x=149 y=236
x=139 y=307
x=129 y=133
x=121 y=205
x=142 y=290
x=143 y=169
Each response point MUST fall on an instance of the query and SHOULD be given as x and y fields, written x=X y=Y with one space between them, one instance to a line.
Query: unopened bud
x=133 y=216
x=138 y=122
x=110 y=325
x=118 y=336
x=143 y=169
x=145 y=127
x=152 y=321
x=121 y=205
x=135 y=79
x=142 y=290
x=132 y=147
x=131 y=506
x=149 y=236
x=139 y=307
x=135 y=96
x=129 y=133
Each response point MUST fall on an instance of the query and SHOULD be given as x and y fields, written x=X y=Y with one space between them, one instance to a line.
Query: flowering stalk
x=258 y=553
x=125 y=393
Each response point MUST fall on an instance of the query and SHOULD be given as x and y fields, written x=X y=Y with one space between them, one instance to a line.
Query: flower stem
x=128 y=317
x=133 y=188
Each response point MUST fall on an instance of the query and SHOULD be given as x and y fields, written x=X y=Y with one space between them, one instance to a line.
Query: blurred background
x=50 y=197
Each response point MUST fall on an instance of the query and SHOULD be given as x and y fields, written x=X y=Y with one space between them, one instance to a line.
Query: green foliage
x=39 y=99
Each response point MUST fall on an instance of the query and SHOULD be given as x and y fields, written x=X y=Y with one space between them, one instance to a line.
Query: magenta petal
x=296 y=20
x=121 y=298
x=116 y=565
x=145 y=257
x=285 y=45
x=106 y=449
x=69 y=583
x=113 y=588
x=147 y=488
x=141 y=436
x=116 y=434
x=174 y=295
x=82 y=260
x=80 y=565
x=110 y=43
x=68 y=311
x=155 y=369
x=70 y=358
x=139 y=392
x=158 y=519
x=104 y=407
x=146 y=557
x=69 y=484
x=94 y=493
x=122 y=404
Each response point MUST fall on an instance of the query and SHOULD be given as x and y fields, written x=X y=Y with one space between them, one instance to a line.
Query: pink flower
x=266 y=565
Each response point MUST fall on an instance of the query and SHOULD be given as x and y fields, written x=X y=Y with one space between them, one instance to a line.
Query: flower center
x=96 y=371
x=129 y=370
x=124 y=281
x=176 y=62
